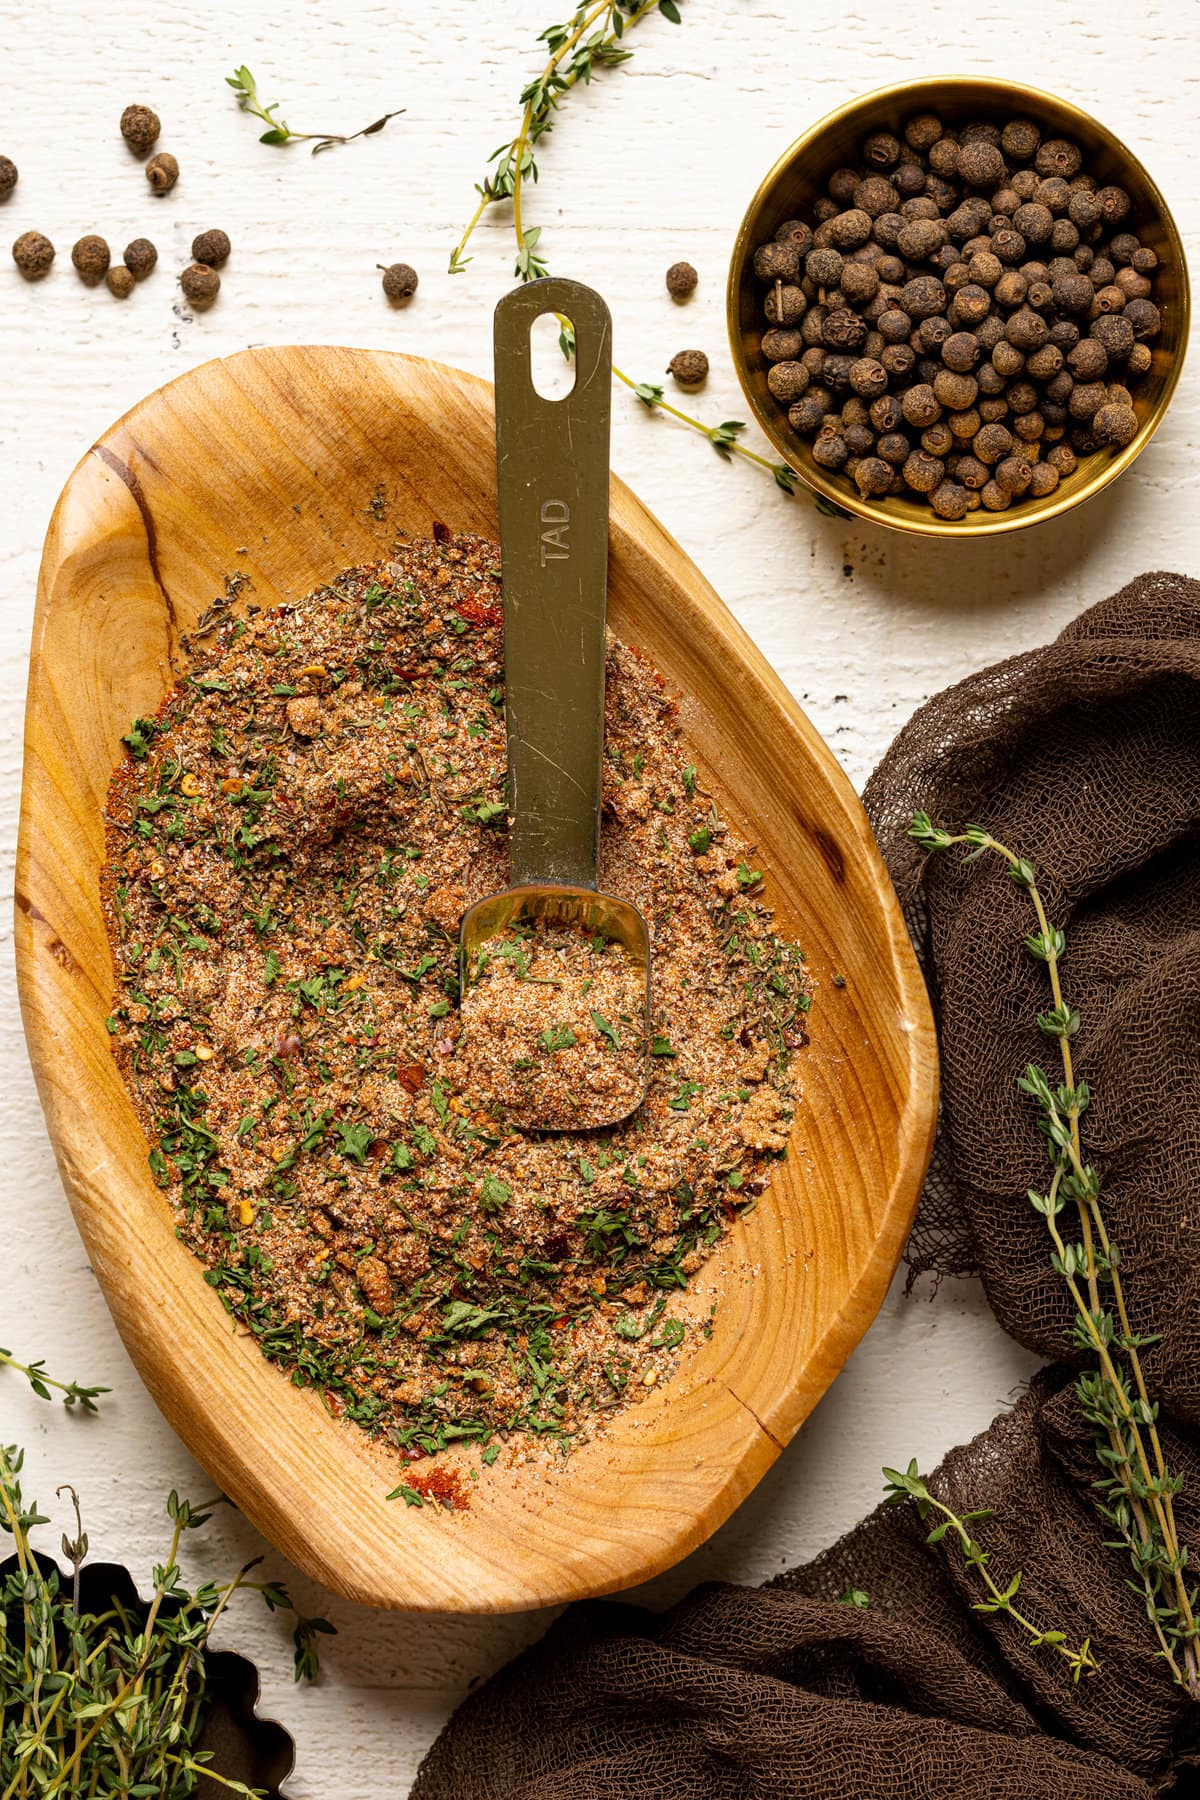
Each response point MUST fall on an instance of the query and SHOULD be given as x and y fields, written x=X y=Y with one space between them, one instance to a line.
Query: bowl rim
x=1019 y=517
x=700 y=1441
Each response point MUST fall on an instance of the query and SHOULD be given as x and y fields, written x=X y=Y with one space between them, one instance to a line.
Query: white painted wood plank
x=652 y=164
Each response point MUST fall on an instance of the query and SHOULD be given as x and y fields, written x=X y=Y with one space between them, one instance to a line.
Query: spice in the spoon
x=292 y=843
x=554 y=1027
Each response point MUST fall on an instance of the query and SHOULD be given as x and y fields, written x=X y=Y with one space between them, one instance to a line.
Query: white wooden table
x=653 y=164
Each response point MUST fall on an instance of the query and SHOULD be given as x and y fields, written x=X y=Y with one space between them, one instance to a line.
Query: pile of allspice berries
x=963 y=318
x=91 y=257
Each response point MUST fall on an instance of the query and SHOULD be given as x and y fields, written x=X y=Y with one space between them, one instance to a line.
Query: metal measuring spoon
x=552 y=466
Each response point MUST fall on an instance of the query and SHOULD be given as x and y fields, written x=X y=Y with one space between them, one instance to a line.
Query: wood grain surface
x=266 y=462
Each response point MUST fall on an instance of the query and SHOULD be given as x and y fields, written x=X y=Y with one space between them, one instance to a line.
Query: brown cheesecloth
x=1084 y=757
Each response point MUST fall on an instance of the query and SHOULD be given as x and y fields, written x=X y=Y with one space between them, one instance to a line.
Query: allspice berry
x=980 y=164
x=140 y=258
x=211 y=247
x=33 y=254
x=873 y=476
x=8 y=176
x=1115 y=425
x=682 y=280
x=923 y=472
x=689 y=367
x=91 y=257
x=200 y=285
x=787 y=381
x=772 y=262
x=1020 y=139
x=120 y=282
x=140 y=127
x=399 y=281
x=162 y=172
x=1014 y=474
x=949 y=500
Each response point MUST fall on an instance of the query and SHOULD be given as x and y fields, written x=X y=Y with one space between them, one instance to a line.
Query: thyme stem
x=570 y=44
x=593 y=38
x=1134 y=1462
x=662 y=405
x=73 y=1393
x=246 y=89
x=904 y=1485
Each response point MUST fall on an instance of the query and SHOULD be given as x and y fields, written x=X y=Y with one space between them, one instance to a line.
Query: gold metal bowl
x=788 y=192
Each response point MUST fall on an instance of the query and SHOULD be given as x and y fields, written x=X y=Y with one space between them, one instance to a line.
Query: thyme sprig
x=909 y=1485
x=73 y=1393
x=724 y=438
x=1136 y=1491
x=246 y=88
x=109 y=1703
x=592 y=39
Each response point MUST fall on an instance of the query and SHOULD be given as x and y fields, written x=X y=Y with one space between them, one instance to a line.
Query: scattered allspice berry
x=140 y=258
x=399 y=281
x=8 y=176
x=120 y=281
x=689 y=367
x=200 y=285
x=211 y=247
x=33 y=254
x=162 y=172
x=681 y=280
x=91 y=257
x=140 y=127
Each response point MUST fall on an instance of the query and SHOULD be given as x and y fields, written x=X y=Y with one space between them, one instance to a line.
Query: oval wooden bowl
x=266 y=463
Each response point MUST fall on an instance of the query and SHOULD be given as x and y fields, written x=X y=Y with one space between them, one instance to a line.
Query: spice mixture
x=292 y=841
x=963 y=318
x=554 y=1027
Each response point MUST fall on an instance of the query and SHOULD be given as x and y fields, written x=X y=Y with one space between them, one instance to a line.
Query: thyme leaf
x=246 y=89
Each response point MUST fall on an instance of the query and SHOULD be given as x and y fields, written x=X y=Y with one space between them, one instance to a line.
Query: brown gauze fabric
x=1085 y=758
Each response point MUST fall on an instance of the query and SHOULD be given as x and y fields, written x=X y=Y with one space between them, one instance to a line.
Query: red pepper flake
x=411 y=1076
x=479 y=612
x=441 y=533
x=443 y=1484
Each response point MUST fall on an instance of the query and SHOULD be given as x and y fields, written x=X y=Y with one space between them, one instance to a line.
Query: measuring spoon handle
x=552 y=468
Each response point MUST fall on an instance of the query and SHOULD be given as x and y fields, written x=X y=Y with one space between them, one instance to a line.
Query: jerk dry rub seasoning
x=292 y=842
